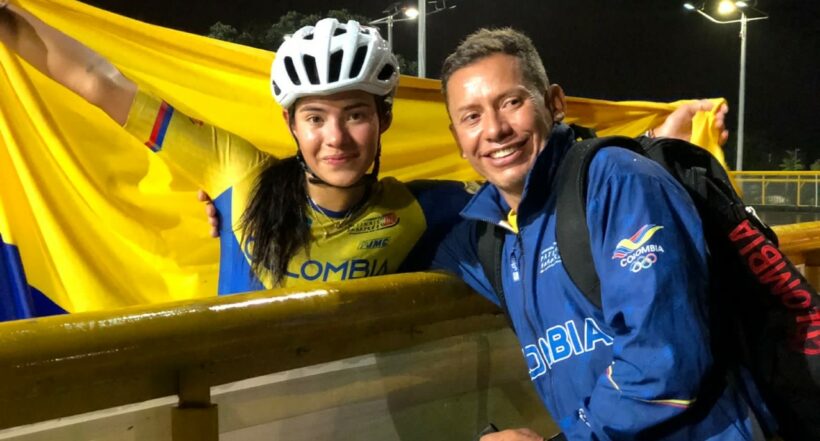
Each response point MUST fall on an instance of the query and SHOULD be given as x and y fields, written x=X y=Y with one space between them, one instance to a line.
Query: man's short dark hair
x=485 y=42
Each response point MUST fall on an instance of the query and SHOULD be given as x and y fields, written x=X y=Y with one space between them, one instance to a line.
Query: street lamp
x=726 y=7
x=394 y=10
x=422 y=47
x=411 y=13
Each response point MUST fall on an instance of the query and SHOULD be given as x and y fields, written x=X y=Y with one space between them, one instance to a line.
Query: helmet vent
x=294 y=77
x=358 y=61
x=310 y=68
x=331 y=57
x=386 y=72
x=335 y=66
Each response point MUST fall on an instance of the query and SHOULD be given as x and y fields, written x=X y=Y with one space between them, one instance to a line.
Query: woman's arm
x=66 y=61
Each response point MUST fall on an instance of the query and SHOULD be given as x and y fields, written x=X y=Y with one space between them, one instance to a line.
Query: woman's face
x=338 y=134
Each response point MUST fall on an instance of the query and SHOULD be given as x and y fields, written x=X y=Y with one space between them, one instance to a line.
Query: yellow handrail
x=797 y=240
x=801 y=173
x=64 y=365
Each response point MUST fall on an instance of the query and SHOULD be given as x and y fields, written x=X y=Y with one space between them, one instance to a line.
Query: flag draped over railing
x=90 y=219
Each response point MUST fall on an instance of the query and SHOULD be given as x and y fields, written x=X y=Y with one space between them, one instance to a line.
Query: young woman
x=321 y=215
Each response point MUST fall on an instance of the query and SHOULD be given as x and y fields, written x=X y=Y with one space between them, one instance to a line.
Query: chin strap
x=367 y=179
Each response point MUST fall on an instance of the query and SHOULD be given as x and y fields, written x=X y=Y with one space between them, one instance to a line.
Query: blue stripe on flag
x=18 y=300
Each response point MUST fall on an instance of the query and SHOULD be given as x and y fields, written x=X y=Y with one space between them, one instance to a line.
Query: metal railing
x=66 y=365
x=71 y=364
x=779 y=188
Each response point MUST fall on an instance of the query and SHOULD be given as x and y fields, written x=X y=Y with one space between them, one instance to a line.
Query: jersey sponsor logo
x=635 y=253
x=561 y=342
x=375 y=224
x=549 y=258
x=371 y=244
x=311 y=270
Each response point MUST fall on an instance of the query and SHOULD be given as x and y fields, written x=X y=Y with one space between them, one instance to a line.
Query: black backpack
x=765 y=315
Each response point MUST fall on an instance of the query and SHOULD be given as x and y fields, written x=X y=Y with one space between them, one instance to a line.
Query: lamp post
x=726 y=7
x=390 y=18
x=422 y=39
x=411 y=13
x=422 y=46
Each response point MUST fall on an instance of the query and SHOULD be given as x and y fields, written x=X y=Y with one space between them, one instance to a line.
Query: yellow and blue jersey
x=397 y=228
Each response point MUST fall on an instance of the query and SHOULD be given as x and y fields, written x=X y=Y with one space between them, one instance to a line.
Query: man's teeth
x=502 y=153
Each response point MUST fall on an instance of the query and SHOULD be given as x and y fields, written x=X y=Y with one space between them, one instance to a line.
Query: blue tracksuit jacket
x=633 y=369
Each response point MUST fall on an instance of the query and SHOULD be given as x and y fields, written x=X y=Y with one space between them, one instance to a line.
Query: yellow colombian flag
x=90 y=219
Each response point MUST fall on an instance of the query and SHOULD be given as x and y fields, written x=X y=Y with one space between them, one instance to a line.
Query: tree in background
x=792 y=161
x=270 y=36
x=407 y=67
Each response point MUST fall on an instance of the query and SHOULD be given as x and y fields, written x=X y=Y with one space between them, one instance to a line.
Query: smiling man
x=640 y=367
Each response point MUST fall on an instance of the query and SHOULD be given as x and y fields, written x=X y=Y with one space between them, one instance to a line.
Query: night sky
x=609 y=49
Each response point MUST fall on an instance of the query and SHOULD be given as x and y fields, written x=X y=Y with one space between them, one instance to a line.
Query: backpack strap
x=572 y=232
x=582 y=132
x=490 y=240
x=576 y=252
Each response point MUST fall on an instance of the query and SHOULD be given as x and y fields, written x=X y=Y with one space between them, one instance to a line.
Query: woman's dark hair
x=275 y=222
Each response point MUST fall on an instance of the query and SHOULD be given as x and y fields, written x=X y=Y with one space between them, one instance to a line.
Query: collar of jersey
x=341 y=214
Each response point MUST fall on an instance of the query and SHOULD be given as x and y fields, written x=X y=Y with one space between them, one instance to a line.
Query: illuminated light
x=689 y=6
x=726 y=7
x=411 y=12
x=741 y=4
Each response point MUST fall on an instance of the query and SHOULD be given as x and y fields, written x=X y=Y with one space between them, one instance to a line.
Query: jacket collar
x=489 y=206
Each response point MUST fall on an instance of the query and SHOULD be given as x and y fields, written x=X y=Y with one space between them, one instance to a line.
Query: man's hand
x=210 y=211
x=513 y=435
x=679 y=123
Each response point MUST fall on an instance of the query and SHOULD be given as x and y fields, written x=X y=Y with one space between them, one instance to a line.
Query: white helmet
x=332 y=57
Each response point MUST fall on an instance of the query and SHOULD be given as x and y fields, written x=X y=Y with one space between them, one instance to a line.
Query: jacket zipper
x=519 y=256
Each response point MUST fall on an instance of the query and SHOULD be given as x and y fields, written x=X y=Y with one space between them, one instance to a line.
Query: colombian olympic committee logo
x=643 y=262
x=635 y=253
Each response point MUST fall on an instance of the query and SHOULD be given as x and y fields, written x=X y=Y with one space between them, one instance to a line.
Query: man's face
x=338 y=134
x=499 y=123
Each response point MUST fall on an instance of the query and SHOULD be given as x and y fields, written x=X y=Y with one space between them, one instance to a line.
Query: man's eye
x=313 y=119
x=513 y=102
x=356 y=116
x=470 y=118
